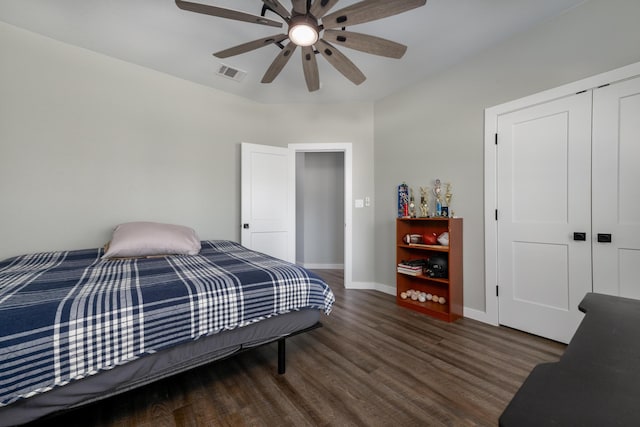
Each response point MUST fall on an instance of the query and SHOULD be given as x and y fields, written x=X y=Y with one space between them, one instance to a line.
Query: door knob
x=580 y=236
x=604 y=238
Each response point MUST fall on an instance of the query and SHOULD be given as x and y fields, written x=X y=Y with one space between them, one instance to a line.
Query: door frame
x=347 y=149
x=491 y=315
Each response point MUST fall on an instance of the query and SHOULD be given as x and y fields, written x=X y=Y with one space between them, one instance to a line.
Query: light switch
x=359 y=203
x=367 y=201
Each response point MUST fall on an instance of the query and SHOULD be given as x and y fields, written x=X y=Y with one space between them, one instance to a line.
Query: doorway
x=320 y=210
x=325 y=159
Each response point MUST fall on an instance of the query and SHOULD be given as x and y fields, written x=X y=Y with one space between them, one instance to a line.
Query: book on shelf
x=409 y=271
x=415 y=263
x=409 y=267
x=412 y=267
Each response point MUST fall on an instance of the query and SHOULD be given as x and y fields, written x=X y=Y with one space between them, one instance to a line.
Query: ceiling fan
x=311 y=27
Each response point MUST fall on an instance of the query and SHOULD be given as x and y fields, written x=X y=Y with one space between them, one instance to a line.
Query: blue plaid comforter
x=67 y=315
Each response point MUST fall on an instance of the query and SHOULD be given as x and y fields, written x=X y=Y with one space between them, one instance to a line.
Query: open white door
x=268 y=200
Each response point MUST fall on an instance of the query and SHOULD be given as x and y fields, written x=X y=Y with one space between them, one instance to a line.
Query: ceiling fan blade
x=299 y=6
x=366 y=43
x=278 y=64
x=226 y=13
x=340 y=62
x=278 y=8
x=320 y=7
x=252 y=45
x=310 y=68
x=368 y=10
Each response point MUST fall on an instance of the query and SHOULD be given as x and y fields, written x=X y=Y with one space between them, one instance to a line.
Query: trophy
x=424 y=202
x=403 y=200
x=412 y=204
x=447 y=198
x=436 y=191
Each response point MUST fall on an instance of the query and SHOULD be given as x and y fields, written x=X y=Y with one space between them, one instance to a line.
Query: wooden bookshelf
x=450 y=287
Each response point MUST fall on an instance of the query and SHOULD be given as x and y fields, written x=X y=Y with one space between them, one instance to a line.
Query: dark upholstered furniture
x=597 y=380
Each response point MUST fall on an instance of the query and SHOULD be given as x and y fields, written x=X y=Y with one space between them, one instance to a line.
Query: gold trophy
x=424 y=202
x=412 y=204
x=447 y=198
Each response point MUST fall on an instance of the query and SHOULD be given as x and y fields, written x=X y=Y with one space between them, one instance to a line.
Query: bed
x=76 y=327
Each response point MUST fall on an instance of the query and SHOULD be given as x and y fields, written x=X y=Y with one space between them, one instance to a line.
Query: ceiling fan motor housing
x=303 y=30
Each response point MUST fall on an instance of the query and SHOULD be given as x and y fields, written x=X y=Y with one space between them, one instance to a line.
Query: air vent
x=231 y=73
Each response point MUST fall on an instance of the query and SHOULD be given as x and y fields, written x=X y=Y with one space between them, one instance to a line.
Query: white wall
x=436 y=129
x=87 y=142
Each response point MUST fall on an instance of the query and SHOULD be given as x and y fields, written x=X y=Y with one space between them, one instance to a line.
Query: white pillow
x=141 y=239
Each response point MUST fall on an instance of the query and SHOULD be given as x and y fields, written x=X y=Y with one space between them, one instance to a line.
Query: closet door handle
x=580 y=236
x=604 y=238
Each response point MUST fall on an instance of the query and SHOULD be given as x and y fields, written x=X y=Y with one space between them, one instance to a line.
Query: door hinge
x=496 y=214
x=496 y=139
x=497 y=291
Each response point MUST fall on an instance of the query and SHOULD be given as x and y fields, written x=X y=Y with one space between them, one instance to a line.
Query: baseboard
x=480 y=316
x=359 y=285
x=391 y=290
x=311 y=266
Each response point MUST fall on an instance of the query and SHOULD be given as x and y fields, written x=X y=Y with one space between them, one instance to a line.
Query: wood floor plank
x=372 y=364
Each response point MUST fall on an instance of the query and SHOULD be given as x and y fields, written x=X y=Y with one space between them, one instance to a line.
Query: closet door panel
x=543 y=175
x=616 y=189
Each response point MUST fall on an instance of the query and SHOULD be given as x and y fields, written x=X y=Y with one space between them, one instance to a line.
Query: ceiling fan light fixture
x=306 y=22
x=303 y=31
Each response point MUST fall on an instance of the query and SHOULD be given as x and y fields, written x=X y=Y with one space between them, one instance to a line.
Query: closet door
x=543 y=177
x=616 y=189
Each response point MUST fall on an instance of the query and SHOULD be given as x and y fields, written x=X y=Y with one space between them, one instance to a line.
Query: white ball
x=442 y=300
x=429 y=297
x=403 y=295
x=414 y=296
x=422 y=298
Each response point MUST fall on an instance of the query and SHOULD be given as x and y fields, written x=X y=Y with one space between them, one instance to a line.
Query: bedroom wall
x=435 y=129
x=87 y=142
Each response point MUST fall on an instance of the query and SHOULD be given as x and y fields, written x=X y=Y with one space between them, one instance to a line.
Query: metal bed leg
x=282 y=347
x=281 y=356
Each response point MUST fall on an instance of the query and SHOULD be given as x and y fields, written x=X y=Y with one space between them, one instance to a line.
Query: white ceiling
x=157 y=35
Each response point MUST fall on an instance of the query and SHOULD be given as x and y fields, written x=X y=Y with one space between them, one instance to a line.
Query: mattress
x=67 y=316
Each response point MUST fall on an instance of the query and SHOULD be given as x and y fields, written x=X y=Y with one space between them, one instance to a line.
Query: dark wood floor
x=372 y=364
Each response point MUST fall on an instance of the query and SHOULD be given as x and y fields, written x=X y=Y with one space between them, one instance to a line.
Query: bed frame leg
x=281 y=356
